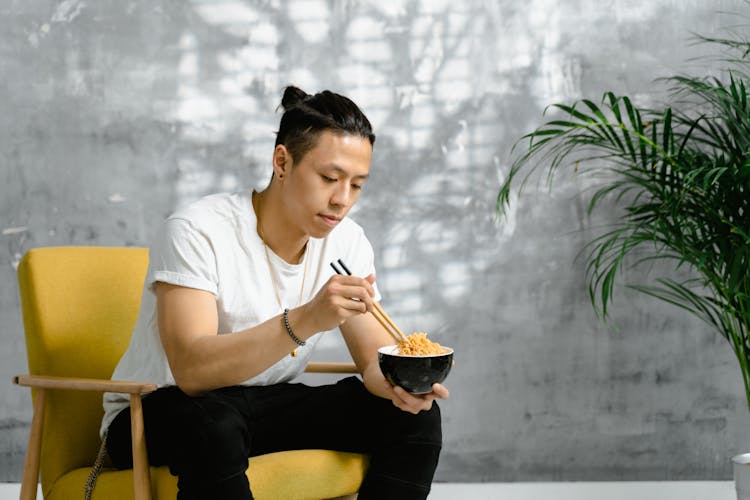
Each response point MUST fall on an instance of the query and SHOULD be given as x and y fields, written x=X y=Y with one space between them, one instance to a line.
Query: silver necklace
x=276 y=287
x=273 y=274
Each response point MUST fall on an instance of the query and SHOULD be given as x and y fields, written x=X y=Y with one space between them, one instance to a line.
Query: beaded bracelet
x=289 y=329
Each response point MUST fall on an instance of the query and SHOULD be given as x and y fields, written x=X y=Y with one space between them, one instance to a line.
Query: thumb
x=370 y=278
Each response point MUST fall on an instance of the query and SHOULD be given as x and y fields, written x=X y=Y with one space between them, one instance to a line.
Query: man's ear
x=282 y=161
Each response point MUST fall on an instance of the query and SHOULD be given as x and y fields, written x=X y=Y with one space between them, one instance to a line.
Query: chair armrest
x=327 y=367
x=84 y=384
x=141 y=479
x=102 y=385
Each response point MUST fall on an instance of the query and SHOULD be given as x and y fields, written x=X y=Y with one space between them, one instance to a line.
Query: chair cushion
x=299 y=474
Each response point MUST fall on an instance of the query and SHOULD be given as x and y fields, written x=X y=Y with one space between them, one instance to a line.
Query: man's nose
x=341 y=194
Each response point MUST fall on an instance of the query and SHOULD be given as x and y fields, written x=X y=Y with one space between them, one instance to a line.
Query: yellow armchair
x=79 y=306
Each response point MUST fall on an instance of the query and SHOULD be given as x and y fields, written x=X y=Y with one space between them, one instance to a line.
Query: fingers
x=341 y=298
x=365 y=283
x=440 y=391
x=411 y=403
x=357 y=292
x=414 y=403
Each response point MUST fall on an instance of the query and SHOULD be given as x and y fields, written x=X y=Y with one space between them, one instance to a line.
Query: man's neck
x=274 y=229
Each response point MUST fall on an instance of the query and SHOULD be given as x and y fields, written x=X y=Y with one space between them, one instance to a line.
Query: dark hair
x=306 y=116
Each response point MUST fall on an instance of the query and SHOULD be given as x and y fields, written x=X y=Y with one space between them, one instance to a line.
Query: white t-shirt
x=213 y=245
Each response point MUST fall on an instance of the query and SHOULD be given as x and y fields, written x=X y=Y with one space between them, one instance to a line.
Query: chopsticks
x=378 y=312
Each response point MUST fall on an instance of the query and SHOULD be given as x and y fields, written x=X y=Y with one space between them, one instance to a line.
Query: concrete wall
x=114 y=113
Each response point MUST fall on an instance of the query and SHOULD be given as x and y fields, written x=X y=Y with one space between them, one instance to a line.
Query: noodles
x=417 y=344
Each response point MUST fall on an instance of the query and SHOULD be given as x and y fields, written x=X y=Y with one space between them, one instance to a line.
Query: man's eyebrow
x=342 y=171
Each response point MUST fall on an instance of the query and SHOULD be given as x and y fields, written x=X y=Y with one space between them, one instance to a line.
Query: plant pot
x=741 y=465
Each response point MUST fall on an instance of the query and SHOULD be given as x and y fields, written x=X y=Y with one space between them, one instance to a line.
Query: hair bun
x=292 y=97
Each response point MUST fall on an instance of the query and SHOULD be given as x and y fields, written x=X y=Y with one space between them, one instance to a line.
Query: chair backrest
x=79 y=305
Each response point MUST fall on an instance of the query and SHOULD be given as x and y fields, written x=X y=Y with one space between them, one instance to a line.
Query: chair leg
x=141 y=477
x=34 y=451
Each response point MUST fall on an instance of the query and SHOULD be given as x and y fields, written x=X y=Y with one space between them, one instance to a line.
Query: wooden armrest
x=141 y=479
x=102 y=385
x=321 y=367
x=84 y=384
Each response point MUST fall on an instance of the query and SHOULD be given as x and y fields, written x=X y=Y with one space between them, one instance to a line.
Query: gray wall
x=114 y=113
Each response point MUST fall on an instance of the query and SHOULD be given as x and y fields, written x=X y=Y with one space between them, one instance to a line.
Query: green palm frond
x=680 y=179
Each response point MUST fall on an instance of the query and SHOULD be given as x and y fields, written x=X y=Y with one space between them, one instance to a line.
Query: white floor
x=682 y=490
x=687 y=490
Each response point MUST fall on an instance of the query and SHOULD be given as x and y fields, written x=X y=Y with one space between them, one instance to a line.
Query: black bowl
x=415 y=374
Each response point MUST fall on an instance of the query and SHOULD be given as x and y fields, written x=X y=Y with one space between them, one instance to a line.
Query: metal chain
x=95 y=469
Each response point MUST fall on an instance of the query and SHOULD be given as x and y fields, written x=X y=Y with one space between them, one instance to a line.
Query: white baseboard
x=630 y=490
x=10 y=491
x=609 y=490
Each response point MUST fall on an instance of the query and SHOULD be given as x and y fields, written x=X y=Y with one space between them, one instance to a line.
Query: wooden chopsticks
x=380 y=315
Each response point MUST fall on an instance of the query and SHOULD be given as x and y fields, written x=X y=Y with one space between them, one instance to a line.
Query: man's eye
x=357 y=186
x=328 y=179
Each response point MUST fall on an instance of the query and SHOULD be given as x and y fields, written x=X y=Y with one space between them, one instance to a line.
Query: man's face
x=323 y=186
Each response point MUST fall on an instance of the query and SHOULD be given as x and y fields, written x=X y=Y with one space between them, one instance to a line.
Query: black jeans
x=206 y=440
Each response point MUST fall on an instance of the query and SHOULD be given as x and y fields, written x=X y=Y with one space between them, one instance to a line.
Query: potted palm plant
x=679 y=178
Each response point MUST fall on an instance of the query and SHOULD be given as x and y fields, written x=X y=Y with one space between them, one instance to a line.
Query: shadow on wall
x=118 y=113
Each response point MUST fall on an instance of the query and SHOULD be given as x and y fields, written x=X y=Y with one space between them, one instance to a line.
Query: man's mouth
x=330 y=220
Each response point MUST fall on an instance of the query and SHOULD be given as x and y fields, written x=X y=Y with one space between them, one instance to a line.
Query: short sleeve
x=183 y=256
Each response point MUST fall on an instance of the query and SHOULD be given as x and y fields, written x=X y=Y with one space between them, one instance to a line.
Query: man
x=243 y=293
